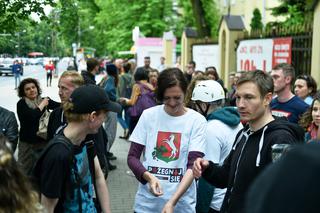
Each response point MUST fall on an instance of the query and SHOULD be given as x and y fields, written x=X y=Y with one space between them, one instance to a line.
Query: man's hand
x=199 y=165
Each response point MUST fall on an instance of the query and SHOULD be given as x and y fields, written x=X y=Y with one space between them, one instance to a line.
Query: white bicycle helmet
x=208 y=91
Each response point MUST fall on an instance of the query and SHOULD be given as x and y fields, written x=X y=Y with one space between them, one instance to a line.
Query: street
x=122 y=186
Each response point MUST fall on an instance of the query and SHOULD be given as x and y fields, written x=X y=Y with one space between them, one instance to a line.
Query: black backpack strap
x=91 y=155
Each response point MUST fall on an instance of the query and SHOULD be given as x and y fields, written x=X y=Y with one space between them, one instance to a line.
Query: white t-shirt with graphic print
x=168 y=140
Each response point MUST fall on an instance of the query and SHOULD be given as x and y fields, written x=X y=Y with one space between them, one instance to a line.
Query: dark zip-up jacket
x=9 y=126
x=88 y=78
x=251 y=152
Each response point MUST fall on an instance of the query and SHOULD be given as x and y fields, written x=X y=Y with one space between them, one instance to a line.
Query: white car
x=6 y=66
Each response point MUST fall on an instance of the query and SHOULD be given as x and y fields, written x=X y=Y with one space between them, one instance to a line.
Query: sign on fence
x=206 y=55
x=263 y=54
x=281 y=51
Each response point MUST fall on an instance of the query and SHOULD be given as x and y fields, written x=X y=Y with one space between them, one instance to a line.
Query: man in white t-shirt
x=209 y=97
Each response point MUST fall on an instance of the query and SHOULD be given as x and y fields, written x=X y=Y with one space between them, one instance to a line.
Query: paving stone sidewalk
x=122 y=186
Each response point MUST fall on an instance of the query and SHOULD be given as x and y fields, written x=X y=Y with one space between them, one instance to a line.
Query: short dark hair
x=147 y=57
x=23 y=83
x=168 y=78
x=141 y=74
x=126 y=67
x=92 y=63
x=262 y=79
x=193 y=63
x=288 y=70
x=311 y=83
x=212 y=71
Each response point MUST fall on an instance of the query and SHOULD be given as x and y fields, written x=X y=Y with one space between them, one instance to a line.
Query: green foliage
x=117 y=19
x=256 y=23
x=13 y=11
x=296 y=11
x=212 y=16
x=187 y=16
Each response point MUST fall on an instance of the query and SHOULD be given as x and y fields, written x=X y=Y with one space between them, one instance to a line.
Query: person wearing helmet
x=209 y=98
x=251 y=151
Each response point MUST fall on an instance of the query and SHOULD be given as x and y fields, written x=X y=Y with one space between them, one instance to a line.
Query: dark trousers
x=49 y=78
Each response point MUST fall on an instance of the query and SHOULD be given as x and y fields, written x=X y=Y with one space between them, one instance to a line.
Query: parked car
x=6 y=66
x=35 y=61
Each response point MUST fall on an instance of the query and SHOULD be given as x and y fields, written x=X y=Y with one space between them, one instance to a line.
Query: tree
x=117 y=19
x=295 y=11
x=12 y=11
x=202 y=14
x=256 y=23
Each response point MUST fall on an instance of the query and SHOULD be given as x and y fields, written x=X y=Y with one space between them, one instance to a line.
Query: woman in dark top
x=30 y=108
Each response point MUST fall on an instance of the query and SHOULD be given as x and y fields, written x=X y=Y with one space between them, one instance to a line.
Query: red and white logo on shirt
x=168 y=146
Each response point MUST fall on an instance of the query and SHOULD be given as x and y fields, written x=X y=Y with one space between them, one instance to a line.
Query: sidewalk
x=122 y=187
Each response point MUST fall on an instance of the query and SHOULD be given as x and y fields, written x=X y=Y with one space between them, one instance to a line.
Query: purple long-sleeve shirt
x=138 y=169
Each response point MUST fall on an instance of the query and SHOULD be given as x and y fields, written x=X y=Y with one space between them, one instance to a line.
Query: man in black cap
x=68 y=169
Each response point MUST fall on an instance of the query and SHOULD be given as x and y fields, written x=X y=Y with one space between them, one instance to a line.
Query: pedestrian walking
x=170 y=136
x=50 y=68
x=17 y=72
x=142 y=97
x=251 y=151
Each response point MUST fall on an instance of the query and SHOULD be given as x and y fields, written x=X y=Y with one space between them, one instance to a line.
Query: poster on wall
x=281 y=51
x=255 y=54
x=263 y=54
x=206 y=55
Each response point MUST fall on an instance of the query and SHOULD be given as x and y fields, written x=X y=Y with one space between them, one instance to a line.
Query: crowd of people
x=196 y=144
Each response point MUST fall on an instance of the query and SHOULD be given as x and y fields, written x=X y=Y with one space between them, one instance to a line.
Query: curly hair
x=16 y=194
x=26 y=81
x=306 y=118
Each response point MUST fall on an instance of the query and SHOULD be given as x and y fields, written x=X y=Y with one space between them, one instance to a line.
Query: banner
x=254 y=54
x=281 y=51
x=263 y=54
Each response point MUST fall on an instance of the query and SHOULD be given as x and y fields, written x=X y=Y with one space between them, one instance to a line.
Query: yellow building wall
x=245 y=9
x=228 y=60
x=315 y=61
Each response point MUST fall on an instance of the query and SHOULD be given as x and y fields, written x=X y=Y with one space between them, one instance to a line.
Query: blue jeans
x=123 y=122
x=17 y=79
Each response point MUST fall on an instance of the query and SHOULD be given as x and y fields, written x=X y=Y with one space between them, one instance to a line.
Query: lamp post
x=82 y=31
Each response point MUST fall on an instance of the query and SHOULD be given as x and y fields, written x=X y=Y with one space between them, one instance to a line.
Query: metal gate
x=301 y=43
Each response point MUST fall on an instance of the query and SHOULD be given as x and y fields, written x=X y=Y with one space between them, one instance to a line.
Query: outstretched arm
x=182 y=188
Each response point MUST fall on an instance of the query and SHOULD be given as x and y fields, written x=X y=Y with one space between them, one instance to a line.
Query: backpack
x=145 y=100
x=61 y=139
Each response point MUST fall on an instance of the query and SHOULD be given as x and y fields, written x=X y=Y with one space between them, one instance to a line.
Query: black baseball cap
x=89 y=98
